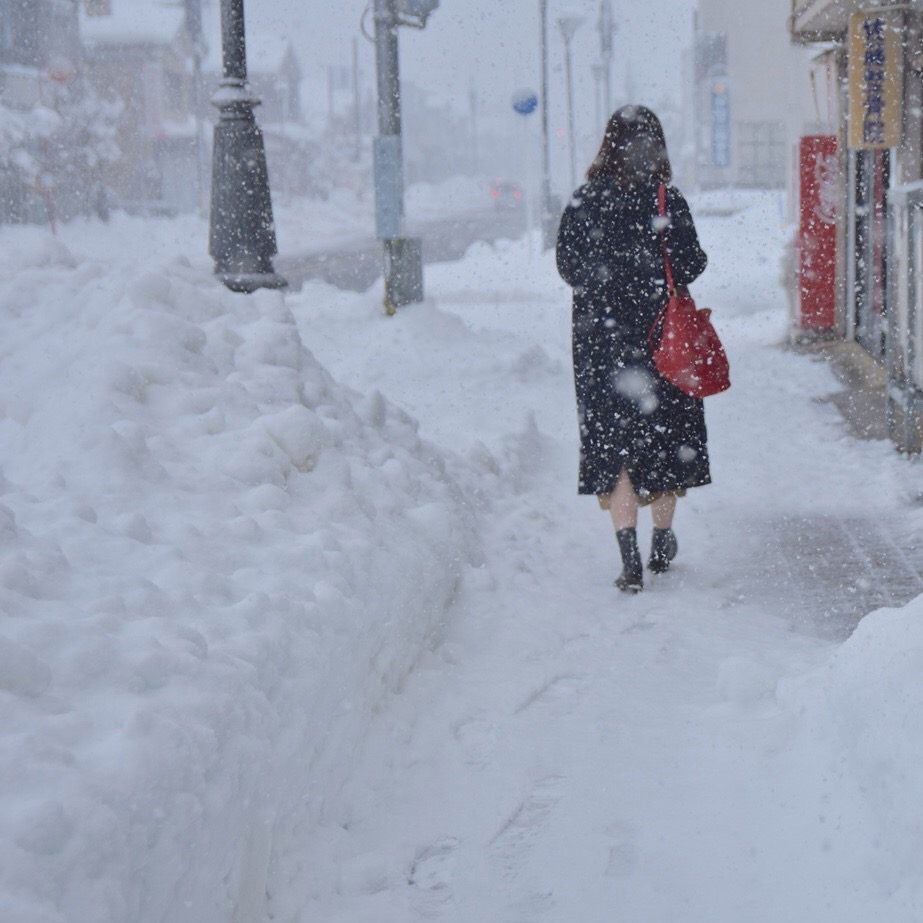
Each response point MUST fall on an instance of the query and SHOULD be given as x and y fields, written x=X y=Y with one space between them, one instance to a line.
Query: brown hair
x=633 y=150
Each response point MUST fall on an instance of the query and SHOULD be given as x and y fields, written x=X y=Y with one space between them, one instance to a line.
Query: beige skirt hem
x=647 y=499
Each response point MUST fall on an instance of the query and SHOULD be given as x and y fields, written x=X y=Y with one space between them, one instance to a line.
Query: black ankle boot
x=663 y=550
x=630 y=580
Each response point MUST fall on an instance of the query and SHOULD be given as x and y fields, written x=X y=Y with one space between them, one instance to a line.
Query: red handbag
x=688 y=353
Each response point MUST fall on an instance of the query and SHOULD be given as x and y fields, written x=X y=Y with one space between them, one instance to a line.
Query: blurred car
x=506 y=194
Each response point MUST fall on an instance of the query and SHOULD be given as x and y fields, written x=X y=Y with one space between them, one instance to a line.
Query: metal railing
x=904 y=341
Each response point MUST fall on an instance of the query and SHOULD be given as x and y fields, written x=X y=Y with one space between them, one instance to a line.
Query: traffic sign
x=525 y=102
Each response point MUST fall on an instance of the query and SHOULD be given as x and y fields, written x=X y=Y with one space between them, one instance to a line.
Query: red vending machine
x=816 y=241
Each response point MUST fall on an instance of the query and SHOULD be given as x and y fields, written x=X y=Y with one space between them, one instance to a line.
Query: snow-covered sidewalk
x=698 y=753
x=302 y=619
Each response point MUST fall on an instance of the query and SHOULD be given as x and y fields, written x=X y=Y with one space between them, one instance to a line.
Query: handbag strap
x=662 y=212
x=661 y=314
x=668 y=272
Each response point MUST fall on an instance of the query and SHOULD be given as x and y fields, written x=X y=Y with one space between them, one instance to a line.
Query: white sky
x=493 y=44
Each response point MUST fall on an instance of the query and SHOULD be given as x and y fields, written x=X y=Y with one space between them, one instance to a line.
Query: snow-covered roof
x=154 y=22
x=161 y=22
x=828 y=18
x=265 y=52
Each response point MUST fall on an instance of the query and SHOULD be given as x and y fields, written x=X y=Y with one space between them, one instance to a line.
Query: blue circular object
x=525 y=102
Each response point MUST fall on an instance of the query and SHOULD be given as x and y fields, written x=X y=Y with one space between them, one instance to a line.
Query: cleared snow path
x=568 y=753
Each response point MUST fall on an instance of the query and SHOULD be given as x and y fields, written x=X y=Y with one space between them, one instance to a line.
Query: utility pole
x=242 y=235
x=330 y=79
x=473 y=116
x=387 y=69
x=602 y=109
x=193 y=23
x=403 y=256
x=549 y=210
x=568 y=26
x=607 y=29
x=357 y=102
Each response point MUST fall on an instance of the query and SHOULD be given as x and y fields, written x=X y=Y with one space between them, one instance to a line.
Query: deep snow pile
x=214 y=560
x=857 y=746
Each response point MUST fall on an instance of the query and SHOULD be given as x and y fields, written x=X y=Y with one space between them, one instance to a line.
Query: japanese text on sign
x=873 y=122
x=874 y=79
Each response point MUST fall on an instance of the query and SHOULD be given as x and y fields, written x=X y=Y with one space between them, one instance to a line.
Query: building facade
x=39 y=81
x=746 y=102
x=161 y=63
x=869 y=76
x=139 y=56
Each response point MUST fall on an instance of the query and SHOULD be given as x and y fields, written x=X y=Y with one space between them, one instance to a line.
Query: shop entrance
x=868 y=299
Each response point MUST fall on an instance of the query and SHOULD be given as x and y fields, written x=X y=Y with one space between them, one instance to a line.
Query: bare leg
x=623 y=503
x=662 y=510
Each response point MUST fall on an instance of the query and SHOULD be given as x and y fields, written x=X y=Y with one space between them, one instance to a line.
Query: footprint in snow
x=557 y=689
x=434 y=867
x=478 y=739
x=513 y=842
x=623 y=853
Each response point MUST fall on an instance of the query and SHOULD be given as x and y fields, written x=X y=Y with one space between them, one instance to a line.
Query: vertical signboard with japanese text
x=875 y=69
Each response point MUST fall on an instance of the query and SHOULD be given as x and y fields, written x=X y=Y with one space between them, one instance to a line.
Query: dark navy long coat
x=609 y=251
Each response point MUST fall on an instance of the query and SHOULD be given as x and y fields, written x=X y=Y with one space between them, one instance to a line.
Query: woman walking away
x=642 y=441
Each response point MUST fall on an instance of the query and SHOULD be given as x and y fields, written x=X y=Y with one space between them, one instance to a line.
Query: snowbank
x=214 y=560
x=856 y=755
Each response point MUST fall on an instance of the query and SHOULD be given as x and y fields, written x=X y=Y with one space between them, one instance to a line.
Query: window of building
x=761 y=154
x=98 y=7
x=25 y=32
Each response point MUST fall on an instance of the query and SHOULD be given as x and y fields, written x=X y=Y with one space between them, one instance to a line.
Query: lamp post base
x=403 y=268
x=242 y=237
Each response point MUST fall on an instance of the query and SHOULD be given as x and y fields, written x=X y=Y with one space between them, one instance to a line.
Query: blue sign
x=525 y=102
x=389 y=186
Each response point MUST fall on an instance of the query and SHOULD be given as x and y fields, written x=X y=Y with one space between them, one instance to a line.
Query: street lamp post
x=357 y=103
x=549 y=218
x=242 y=236
x=568 y=26
x=602 y=107
x=473 y=117
x=607 y=29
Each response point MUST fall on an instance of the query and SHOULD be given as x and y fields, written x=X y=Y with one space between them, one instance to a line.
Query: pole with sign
x=525 y=102
x=402 y=256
